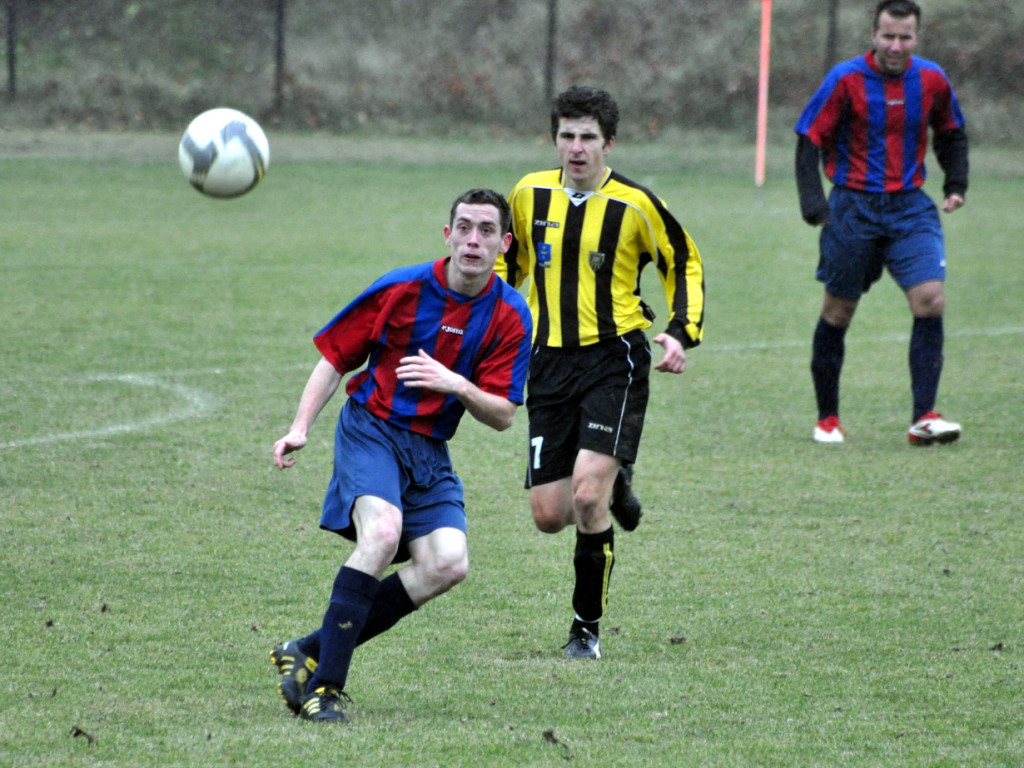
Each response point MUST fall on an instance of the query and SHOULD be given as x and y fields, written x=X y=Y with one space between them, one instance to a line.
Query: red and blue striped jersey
x=485 y=338
x=872 y=128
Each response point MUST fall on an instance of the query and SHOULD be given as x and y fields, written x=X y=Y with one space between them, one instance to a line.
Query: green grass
x=783 y=603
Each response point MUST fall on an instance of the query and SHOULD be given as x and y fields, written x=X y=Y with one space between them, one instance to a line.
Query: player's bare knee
x=838 y=314
x=448 y=569
x=928 y=305
x=384 y=536
x=455 y=572
x=548 y=519
x=590 y=500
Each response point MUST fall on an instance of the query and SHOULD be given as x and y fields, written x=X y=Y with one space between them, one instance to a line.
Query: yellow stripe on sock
x=609 y=561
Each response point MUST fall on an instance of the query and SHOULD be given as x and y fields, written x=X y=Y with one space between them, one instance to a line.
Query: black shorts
x=591 y=397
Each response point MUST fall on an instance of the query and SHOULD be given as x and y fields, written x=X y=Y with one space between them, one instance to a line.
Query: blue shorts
x=411 y=471
x=869 y=231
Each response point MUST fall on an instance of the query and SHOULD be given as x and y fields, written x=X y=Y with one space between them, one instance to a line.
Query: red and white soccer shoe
x=932 y=428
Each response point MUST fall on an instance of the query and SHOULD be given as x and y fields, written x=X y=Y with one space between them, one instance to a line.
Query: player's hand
x=674 y=359
x=952 y=203
x=293 y=441
x=421 y=370
x=817 y=216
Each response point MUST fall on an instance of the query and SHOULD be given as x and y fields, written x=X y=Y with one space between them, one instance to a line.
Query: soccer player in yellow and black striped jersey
x=583 y=235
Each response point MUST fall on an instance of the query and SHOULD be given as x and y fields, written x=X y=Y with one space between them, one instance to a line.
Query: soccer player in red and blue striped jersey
x=415 y=310
x=868 y=125
x=433 y=341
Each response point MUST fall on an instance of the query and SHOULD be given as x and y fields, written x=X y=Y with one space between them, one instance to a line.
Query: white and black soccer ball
x=224 y=153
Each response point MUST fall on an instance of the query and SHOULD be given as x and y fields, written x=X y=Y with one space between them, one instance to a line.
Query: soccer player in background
x=583 y=234
x=868 y=124
x=437 y=340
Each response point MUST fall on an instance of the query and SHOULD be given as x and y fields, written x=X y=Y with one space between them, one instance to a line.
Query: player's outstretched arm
x=421 y=370
x=320 y=387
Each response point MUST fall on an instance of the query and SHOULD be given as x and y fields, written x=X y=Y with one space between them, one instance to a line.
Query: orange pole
x=762 y=90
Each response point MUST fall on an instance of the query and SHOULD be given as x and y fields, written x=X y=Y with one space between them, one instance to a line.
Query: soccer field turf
x=783 y=603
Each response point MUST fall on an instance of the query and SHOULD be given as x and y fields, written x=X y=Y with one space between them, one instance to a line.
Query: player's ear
x=506 y=241
x=447 y=235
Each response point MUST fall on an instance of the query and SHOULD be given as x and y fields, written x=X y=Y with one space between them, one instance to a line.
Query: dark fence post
x=279 y=59
x=12 y=70
x=831 y=42
x=549 y=62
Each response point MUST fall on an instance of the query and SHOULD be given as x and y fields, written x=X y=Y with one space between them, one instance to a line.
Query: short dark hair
x=581 y=101
x=898 y=9
x=482 y=196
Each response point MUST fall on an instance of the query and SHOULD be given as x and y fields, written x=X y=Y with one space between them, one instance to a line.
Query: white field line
x=852 y=338
x=197 y=402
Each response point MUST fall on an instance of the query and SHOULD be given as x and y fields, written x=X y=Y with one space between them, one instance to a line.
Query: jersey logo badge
x=544 y=255
x=596 y=260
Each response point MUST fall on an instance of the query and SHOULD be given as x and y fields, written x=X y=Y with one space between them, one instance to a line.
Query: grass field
x=782 y=604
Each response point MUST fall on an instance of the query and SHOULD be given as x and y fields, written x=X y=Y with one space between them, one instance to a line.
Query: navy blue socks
x=827 y=352
x=351 y=598
x=925 y=357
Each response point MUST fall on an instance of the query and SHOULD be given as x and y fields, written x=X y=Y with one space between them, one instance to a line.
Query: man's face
x=894 y=39
x=582 y=149
x=474 y=239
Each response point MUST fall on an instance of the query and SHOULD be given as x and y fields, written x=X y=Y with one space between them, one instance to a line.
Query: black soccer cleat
x=625 y=506
x=295 y=668
x=582 y=644
x=326 y=704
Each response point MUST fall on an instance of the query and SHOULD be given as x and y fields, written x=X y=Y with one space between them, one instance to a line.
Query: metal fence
x=455 y=65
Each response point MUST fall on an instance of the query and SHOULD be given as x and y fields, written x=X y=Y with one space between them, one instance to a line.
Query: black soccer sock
x=925 y=357
x=310 y=644
x=391 y=604
x=827 y=354
x=351 y=598
x=593 y=561
x=593 y=626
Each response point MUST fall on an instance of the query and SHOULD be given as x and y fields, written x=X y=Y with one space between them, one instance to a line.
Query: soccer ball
x=224 y=153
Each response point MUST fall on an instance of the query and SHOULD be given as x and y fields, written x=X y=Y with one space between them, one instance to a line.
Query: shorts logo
x=599 y=427
x=596 y=260
x=544 y=255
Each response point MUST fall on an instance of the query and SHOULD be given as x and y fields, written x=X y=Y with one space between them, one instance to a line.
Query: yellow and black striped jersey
x=585 y=252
